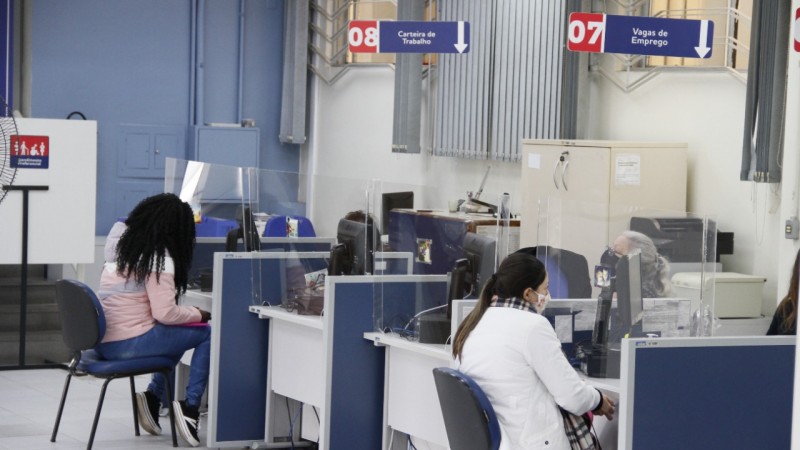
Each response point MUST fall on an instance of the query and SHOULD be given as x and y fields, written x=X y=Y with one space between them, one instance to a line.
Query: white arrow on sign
x=460 y=45
x=702 y=49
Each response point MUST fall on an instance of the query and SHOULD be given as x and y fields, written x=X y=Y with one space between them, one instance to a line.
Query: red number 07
x=362 y=36
x=585 y=32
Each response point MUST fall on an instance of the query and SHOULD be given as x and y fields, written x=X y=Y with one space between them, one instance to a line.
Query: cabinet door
x=142 y=149
x=134 y=152
x=237 y=147
x=553 y=190
x=130 y=193
x=167 y=145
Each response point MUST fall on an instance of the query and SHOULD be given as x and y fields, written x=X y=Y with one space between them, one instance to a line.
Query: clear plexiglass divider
x=241 y=209
x=448 y=249
x=222 y=199
x=624 y=271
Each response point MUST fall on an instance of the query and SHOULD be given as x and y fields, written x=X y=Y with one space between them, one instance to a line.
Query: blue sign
x=661 y=37
x=423 y=37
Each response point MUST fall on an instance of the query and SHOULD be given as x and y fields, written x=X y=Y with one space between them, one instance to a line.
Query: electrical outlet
x=792 y=229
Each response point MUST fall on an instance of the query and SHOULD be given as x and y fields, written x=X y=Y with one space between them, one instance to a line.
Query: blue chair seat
x=93 y=363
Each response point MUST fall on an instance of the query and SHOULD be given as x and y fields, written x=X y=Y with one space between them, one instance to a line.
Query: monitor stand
x=433 y=328
x=601 y=361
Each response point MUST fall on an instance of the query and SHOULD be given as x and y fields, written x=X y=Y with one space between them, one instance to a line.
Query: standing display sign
x=389 y=36
x=604 y=33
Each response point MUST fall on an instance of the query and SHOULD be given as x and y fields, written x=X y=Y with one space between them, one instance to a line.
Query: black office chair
x=469 y=418
x=83 y=325
x=568 y=271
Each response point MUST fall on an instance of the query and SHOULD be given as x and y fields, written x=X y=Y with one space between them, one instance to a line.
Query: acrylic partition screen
x=628 y=257
x=423 y=234
x=224 y=200
x=417 y=220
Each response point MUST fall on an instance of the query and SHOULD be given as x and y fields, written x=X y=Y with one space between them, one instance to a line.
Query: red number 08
x=362 y=36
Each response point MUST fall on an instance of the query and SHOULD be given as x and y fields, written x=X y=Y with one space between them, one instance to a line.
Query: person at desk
x=784 y=321
x=147 y=269
x=655 y=268
x=512 y=352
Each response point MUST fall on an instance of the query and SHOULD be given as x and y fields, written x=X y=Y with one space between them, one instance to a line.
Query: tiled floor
x=29 y=403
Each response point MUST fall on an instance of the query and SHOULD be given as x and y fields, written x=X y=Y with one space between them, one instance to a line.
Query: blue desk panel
x=356 y=408
x=242 y=388
x=713 y=398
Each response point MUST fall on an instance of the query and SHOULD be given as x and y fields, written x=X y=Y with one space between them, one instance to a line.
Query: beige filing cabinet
x=579 y=195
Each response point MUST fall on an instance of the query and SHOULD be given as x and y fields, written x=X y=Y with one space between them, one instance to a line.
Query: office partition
x=703 y=393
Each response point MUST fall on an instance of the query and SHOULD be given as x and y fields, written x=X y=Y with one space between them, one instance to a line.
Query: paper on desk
x=563 y=326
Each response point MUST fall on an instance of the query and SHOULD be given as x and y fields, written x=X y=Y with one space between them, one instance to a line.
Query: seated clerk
x=147 y=268
x=784 y=321
x=512 y=352
x=655 y=268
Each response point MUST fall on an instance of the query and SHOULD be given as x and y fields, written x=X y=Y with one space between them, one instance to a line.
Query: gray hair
x=655 y=268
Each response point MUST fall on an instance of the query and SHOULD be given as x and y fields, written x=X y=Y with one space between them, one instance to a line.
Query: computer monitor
x=246 y=231
x=394 y=200
x=457 y=283
x=628 y=285
x=480 y=251
x=341 y=261
x=354 y=252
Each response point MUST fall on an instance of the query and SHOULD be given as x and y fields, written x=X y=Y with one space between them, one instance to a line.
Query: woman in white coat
x=513 y=353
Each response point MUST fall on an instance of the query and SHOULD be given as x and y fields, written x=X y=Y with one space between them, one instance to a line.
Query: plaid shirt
x=513 y=302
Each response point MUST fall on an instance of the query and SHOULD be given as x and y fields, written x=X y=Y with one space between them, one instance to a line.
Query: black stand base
x=433 y=329
x=601 y=362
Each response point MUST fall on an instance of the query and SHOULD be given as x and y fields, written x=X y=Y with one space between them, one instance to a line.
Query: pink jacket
x=132 y=309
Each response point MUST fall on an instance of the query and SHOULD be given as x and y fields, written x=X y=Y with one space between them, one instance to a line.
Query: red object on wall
x=362 y=36
x=30 y=145
x=797 y=30
x=586 y=32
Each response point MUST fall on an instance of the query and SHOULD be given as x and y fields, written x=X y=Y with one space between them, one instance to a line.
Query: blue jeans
x=170 y=341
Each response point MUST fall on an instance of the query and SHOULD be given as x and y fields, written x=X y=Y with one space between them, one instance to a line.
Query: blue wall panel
x=130 y=62
x=6 y=51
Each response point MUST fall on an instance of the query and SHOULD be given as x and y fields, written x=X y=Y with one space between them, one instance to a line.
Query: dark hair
x=359 y=216
x=519 y=271
x=788 y=306
x=157 y=226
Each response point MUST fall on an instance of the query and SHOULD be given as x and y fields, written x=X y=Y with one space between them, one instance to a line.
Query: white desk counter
x=606 y=431
x=276 y=312
x=296 y=366
x=198 y=298
x=411 y=404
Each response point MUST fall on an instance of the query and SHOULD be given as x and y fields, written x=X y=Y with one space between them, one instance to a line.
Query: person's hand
x=205 y=316
x=607 y=408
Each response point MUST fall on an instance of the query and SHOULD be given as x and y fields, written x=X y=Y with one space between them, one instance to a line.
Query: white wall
x=706 y=110
x=352 y=133
x=352 y=136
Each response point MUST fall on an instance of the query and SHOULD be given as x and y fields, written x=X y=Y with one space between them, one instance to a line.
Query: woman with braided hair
x=513 y=353
x=146 y=271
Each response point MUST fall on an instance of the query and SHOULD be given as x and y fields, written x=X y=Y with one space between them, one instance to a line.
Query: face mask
x=541 y=304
